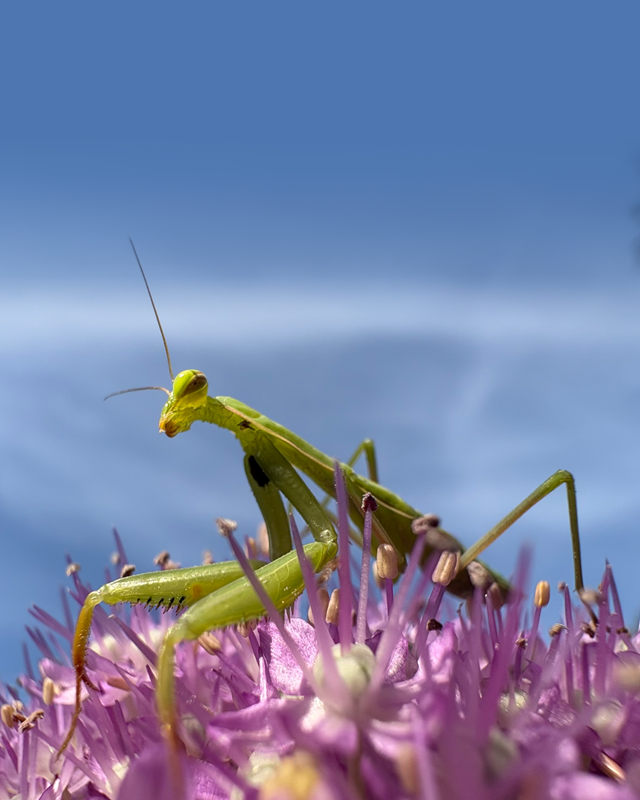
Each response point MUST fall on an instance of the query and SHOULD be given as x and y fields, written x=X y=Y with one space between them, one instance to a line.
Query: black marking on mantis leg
x=257 y=473
x=245 y=425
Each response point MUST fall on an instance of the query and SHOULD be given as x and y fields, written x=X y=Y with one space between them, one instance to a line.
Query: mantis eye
x=188 y=382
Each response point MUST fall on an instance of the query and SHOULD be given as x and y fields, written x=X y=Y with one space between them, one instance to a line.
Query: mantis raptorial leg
x=274 y=457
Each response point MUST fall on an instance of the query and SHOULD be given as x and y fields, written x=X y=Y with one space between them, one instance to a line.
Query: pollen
x=296 y=777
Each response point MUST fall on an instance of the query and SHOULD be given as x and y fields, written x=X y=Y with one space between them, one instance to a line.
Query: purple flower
x=393 y=696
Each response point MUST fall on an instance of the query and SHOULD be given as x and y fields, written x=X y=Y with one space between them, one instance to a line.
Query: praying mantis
x=215 y=596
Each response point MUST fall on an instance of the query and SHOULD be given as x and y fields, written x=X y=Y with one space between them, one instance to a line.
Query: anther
x=245 y=628
x=387 y=562
x=127 y=569
x=590 y=597
x=72 y=569
x=369 y=502
x=6 y=714
x=210 y=643
x=422 y=524
x=406 y=761
x=479 y=575
x=323 y=598
x=627 y=676
x=542 y=594
x=163 y=560
x=333 y=609
x=226 y=526
x=497 y=596
x=49 y=691
x=262 y=537
x=30 y=721
x=446 y=569
x=438 y=539
x=610 y=768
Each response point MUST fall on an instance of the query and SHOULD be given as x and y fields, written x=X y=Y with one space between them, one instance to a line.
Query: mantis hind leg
x=557 y=479
x=367 y=448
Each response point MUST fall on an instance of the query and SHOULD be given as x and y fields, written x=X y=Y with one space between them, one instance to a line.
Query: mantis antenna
x=139 y=389
x=155 y=311
x=164 y=340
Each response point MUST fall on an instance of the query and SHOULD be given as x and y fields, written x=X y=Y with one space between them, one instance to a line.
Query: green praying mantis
x=215 y=596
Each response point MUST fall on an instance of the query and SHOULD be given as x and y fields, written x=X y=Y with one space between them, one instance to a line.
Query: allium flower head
x=399 y=693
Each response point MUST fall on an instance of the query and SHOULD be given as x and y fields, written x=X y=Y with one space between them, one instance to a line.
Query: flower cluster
x=394 y=693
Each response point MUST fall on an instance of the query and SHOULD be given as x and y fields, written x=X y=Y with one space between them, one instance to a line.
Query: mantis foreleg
x=174 y=588
x=216 y=594
x=271 y=506
x=282 y=579
x=237 y=602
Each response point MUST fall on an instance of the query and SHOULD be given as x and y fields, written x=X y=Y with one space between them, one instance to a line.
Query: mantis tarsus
x=219 y=595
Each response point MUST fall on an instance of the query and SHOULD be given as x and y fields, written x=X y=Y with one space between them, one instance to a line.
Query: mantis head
x=189 y=391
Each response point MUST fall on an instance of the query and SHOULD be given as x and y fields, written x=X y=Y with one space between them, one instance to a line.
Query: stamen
x=406 y=762
x=270 y=608
x=332 y=615
x=250 y=547
x=323 y=600
x=611 y=768
x=345 y=626
x=541 y=598
x=7 y=714
x=50 y=690
x=30 y=722
x=424 y=523
x=163 y=560
x=479 y=575
x=446 y=568
x=369 y=505
x=226 y=526
x=262 y=537
x=542 y=594
x=210 y=643
x=387 y=569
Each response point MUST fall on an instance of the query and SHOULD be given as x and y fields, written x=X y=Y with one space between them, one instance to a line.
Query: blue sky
x=411 y=222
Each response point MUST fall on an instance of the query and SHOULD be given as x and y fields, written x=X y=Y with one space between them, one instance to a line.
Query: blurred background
x=412 y=222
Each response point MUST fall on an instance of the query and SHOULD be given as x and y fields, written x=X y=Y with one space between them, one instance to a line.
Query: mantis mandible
x=219 y=595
